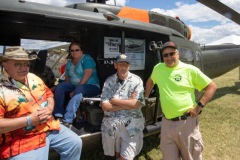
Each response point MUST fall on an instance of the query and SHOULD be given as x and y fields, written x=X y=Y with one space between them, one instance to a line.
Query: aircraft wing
x=222 y=9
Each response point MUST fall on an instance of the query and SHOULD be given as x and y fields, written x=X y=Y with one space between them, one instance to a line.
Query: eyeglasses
x=76 y=50
x=165 y=55
x=19 y=64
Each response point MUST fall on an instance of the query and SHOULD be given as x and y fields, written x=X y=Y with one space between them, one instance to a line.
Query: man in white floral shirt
x=123 y=122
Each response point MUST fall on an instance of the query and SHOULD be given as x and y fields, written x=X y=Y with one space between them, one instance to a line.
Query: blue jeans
x=80 y=91
x=65 y=142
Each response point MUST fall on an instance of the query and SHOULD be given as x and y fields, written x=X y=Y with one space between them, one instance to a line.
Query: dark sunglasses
x=169 y=54
x=19 y=64
x=76 y=50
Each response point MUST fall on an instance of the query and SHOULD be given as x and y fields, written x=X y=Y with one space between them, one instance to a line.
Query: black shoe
x=70 y=126
x=78 y=124
x=58 y=118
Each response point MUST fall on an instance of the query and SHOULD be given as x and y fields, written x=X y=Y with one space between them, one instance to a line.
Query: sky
x=207 y=25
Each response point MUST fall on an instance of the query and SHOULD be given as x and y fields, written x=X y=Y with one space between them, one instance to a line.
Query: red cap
x=169 y=44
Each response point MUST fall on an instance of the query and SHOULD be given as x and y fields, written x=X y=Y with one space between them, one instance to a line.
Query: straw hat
x=16 y=53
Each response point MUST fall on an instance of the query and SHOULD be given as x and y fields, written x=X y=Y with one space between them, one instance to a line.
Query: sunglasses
x=76 y=50
x=19 y=64
x=169 y=54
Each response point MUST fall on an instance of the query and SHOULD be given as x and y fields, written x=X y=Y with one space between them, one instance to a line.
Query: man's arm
x=126 y=104
x=149 y=86
x=106 y=106
x=209 y=92
x=7 y=125
x=135 y=100
x=11 y=124
x=207 y=96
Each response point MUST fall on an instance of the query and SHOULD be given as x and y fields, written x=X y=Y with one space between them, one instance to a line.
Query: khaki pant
x=181 y=139
x=122 y=143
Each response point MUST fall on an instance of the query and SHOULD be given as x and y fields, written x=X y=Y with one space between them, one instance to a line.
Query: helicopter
x=106 y=31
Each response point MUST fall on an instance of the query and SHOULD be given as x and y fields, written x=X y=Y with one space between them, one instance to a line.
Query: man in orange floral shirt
x=26 y=104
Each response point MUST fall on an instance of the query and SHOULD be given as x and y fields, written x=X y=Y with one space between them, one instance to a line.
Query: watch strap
x=200 y=104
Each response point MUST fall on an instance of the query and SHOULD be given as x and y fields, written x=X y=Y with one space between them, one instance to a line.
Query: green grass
x=219 y=124
x=220 y=121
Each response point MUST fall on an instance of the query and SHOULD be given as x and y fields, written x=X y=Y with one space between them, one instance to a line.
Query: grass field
x=219 y=124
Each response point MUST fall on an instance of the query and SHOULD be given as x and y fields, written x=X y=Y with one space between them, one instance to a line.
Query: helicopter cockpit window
x=174 y=24
x=157 y=19
x=186 y=55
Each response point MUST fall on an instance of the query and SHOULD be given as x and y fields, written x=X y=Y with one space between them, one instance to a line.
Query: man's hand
x=133 y=95
x=112 y=100
x=44 y=114
x=195 y=111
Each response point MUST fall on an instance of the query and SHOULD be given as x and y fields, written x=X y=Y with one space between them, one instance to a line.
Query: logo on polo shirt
x=178 y=77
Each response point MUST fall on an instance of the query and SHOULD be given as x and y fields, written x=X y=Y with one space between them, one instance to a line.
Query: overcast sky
x=207 y=25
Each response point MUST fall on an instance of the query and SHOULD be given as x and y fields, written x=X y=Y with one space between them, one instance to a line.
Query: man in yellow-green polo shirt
x=177 y=81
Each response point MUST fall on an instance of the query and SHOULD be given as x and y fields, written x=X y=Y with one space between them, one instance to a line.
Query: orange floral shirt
x=20 y=100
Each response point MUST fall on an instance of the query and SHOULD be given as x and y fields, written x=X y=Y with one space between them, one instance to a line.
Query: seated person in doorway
x=43 y=71
x=81 y=80
x=26 y=125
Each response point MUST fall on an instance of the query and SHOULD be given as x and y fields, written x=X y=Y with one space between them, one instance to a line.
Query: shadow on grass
x=150 y=143
x=96 y=155
x=227 y=90
x=150 y=147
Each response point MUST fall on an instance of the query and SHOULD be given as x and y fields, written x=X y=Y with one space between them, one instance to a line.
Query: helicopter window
x=157 y=19
x=186 y=55
x=174 y=24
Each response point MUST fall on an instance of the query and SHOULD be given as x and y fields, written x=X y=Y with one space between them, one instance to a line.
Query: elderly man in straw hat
x=26 y=104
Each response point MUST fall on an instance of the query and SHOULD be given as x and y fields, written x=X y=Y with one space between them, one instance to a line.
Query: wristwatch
x=200 y=104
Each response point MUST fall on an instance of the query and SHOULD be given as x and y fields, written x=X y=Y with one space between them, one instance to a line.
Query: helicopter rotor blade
x=222 y=9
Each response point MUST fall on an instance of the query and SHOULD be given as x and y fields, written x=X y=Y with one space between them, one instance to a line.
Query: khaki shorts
x=181 y=139
x=122 y=143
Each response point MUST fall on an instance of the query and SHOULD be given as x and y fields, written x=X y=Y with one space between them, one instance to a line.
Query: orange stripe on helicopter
x=189 y=33
x=134 y=14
